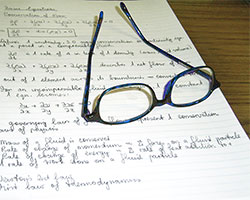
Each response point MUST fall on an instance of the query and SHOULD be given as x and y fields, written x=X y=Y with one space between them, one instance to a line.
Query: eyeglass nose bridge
x=167 y=90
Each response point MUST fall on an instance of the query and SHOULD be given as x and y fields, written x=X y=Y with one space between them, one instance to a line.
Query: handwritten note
x=47 y=151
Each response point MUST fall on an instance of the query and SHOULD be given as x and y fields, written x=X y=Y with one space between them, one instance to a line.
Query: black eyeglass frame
x=94 y=116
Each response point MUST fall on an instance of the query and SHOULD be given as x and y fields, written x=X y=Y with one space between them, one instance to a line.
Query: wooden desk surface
x=220 y=31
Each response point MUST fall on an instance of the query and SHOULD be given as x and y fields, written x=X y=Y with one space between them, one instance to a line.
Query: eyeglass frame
x=94 y=116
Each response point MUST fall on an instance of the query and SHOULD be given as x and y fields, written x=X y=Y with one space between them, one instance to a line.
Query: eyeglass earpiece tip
x=101 y=15
x=123 y=7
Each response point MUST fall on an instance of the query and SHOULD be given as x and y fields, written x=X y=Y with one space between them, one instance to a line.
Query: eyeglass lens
x=124 y=103
x=192 y=87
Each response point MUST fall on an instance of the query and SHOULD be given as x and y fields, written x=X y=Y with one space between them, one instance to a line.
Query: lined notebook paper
x=47 y=151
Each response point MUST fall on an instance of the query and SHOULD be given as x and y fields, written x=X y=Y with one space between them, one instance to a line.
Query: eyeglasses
x=188 y=88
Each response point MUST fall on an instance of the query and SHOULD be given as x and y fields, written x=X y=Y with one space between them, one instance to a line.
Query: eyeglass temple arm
x=139 y=33
x=85 y=111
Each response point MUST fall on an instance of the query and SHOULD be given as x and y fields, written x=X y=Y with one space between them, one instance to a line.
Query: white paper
x=47 y=151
